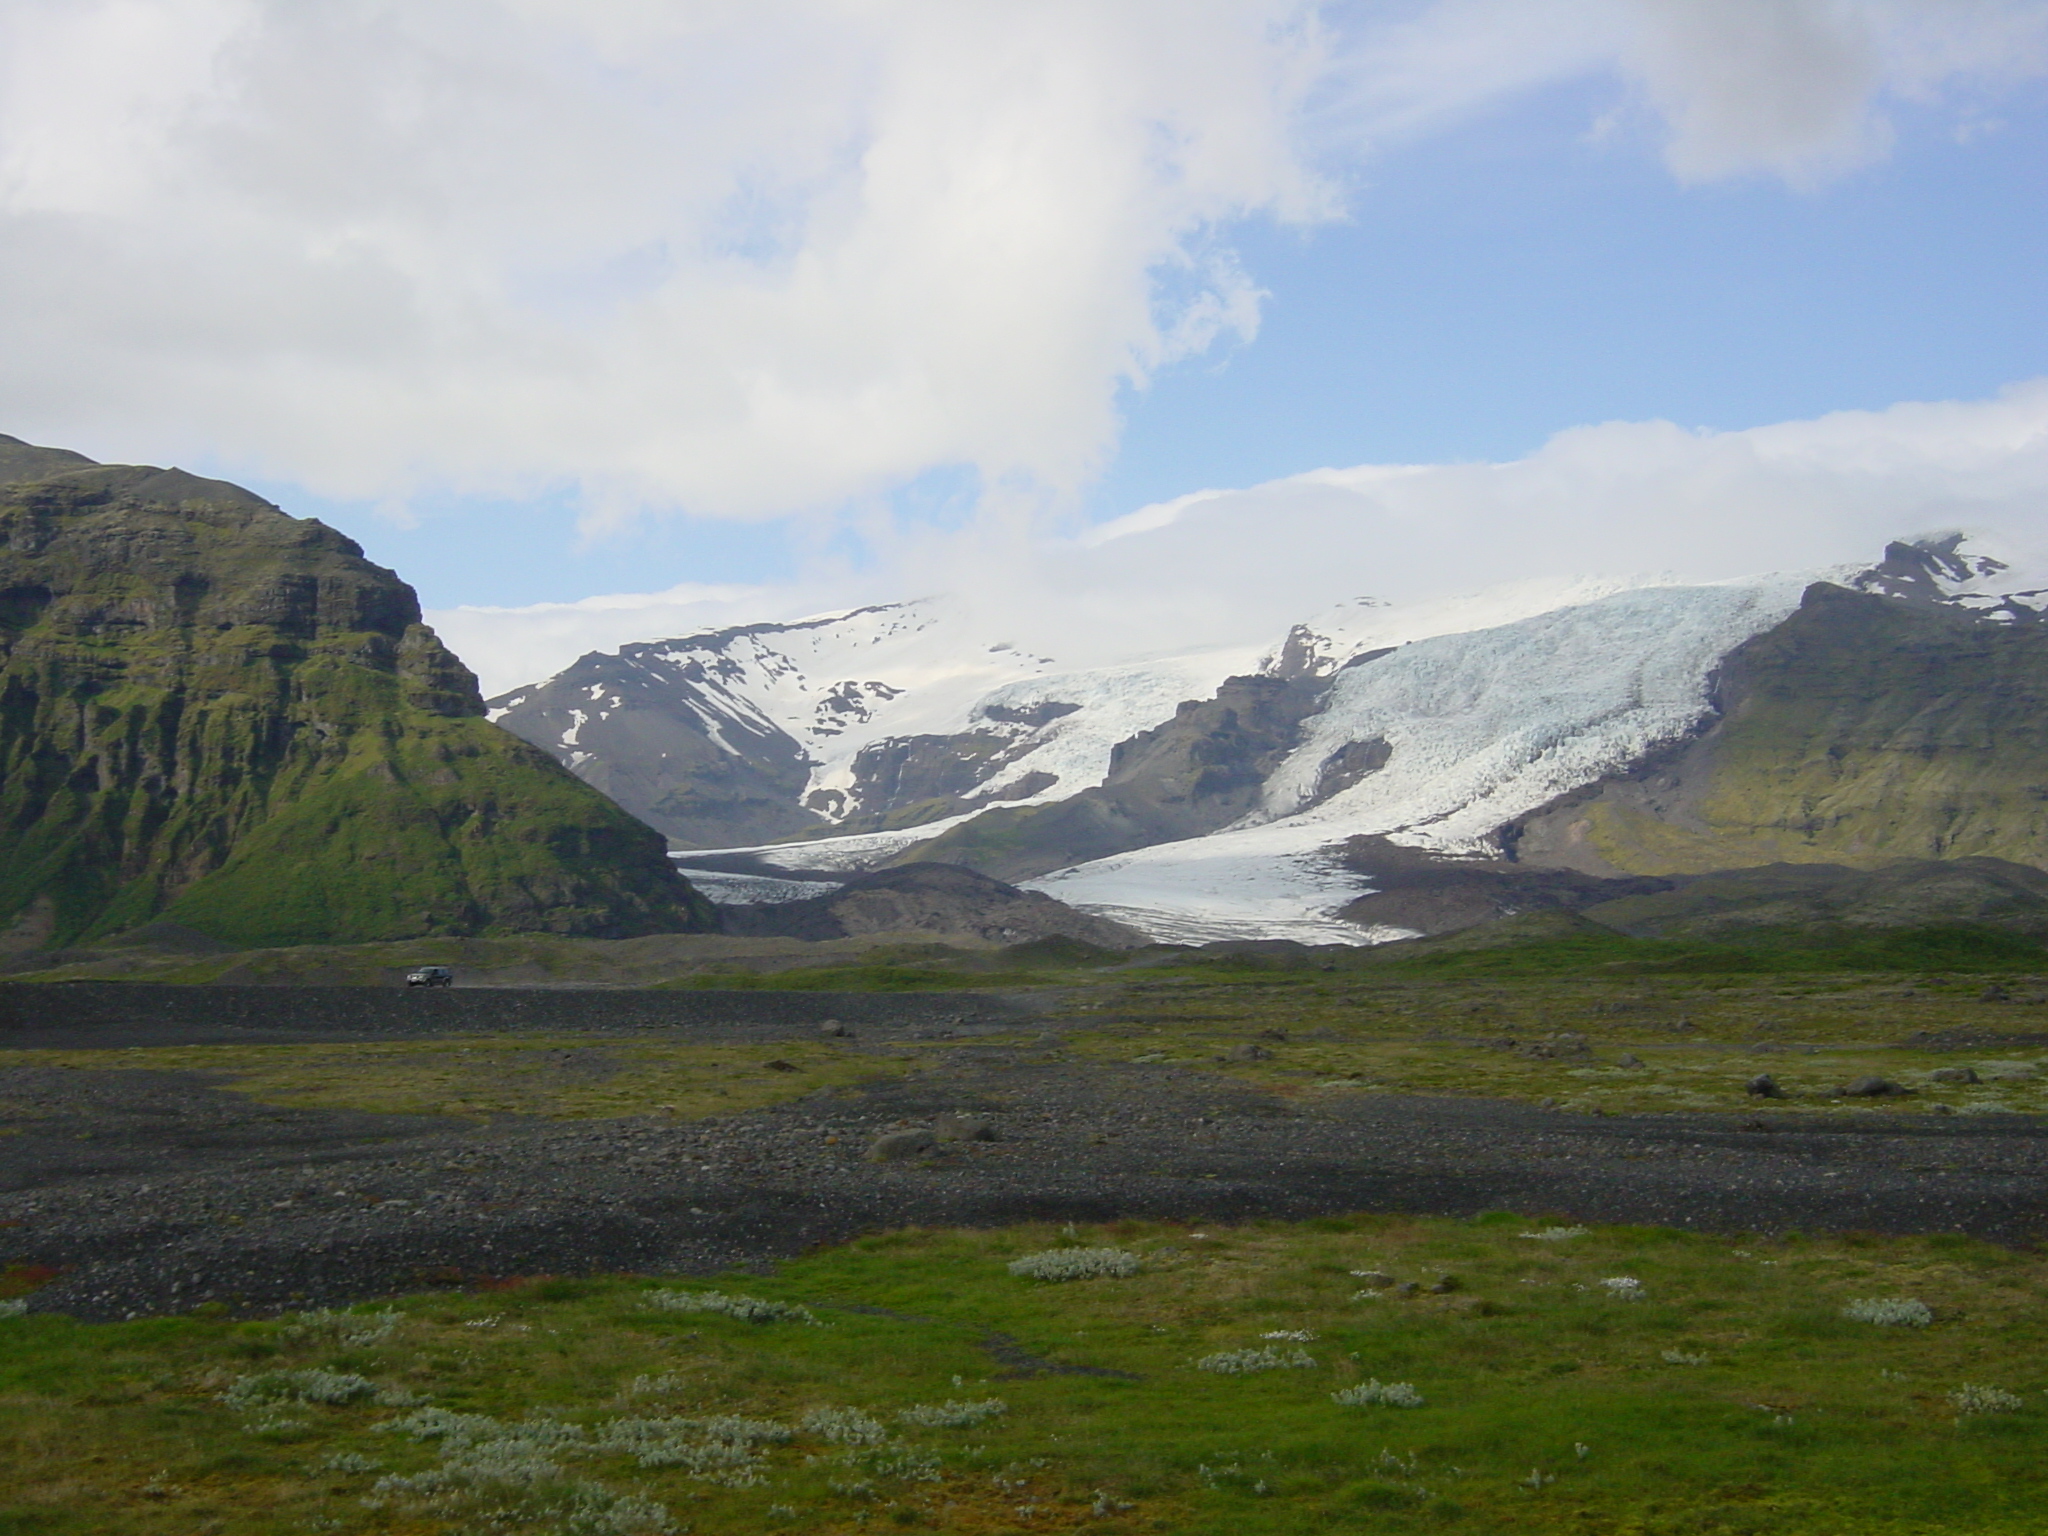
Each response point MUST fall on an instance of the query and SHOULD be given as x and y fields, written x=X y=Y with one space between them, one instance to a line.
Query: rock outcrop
x=226 y=717
x=1199 y=771
x=936 y=901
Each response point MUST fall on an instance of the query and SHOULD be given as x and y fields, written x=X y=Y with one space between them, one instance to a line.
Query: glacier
x=1483 y=726
x=1476 y=708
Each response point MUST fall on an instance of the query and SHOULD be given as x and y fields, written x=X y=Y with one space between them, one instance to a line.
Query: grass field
x=922 y=1385
x=1602 y=1044
x=572 y=1077
x=912 y=1382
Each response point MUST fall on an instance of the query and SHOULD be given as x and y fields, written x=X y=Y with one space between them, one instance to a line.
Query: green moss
x=214 y=712
x=1858 y=731
x=1777 y=1416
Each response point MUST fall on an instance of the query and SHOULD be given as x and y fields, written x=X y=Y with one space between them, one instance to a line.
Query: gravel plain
x=152 y=1191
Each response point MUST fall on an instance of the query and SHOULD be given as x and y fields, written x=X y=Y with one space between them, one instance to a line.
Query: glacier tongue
x=1483 y=727
x=1486 y=725
x=1247 y=884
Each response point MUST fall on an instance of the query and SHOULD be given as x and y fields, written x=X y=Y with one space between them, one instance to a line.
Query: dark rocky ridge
x=1426 y=894
x=940 y=900
x=226 y=716
x=1198 y=772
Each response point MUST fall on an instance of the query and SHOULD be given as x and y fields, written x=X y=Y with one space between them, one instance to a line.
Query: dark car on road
x=430 y=976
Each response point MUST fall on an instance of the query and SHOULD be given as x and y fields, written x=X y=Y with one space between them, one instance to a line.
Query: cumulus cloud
x=744 y=257
x=1623 y=501
x=739 y=257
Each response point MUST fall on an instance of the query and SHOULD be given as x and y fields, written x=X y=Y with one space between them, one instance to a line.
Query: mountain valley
x=1543 y=739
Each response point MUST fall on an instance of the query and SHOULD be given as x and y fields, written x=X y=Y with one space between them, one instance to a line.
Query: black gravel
x=156 y=1191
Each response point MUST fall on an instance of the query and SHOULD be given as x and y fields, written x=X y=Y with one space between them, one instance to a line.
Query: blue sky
x=1489 y=288
x=609 y=297
x=1511 y=279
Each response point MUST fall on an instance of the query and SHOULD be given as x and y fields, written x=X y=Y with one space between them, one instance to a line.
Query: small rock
x=1628 y=1060
x=1474 y=1306
x=833 y=1029
x=1868 y=1088
x=1250 y=1052
x=1764 y=1086
x=1373 y=1279
x=963 y=1128
x=900 y=1146
x=1953 y=1075
x=1443 y=1285
x=1556 y=1048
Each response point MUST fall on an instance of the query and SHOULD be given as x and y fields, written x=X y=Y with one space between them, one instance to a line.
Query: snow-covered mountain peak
x=1961 y=571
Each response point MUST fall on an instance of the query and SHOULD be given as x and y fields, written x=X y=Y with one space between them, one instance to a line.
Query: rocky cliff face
x=1861 y=730
x=221 y=715
x=1201 y=770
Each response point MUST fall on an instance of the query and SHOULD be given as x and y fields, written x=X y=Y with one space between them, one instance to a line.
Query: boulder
x=901 y=1146
x=1868 y=1088
x=1764 y=1086
x=1953 y=1075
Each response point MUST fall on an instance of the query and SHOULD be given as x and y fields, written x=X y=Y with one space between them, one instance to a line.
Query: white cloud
x=1797 y=87
x=742 y=258
x=1619 y=500
x=1792 y=88
x=507 y=646
x=745 y=258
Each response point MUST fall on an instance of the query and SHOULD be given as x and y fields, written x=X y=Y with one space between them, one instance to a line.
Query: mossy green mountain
x=220 y=715
x=1860 y=731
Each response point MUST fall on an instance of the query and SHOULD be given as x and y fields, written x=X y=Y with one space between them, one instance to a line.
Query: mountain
x=1863 y=728
x=1528 y=745
x=221 y=716
x=878 y=719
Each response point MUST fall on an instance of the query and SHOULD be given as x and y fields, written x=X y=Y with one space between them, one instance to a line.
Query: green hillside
x=1859 y=731
x=218 y=714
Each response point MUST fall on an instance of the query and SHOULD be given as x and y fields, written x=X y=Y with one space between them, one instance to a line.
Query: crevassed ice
x=1482 y=726
x=1490 y=724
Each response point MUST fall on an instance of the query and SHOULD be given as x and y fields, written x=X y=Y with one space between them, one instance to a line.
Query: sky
x=614 y=318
